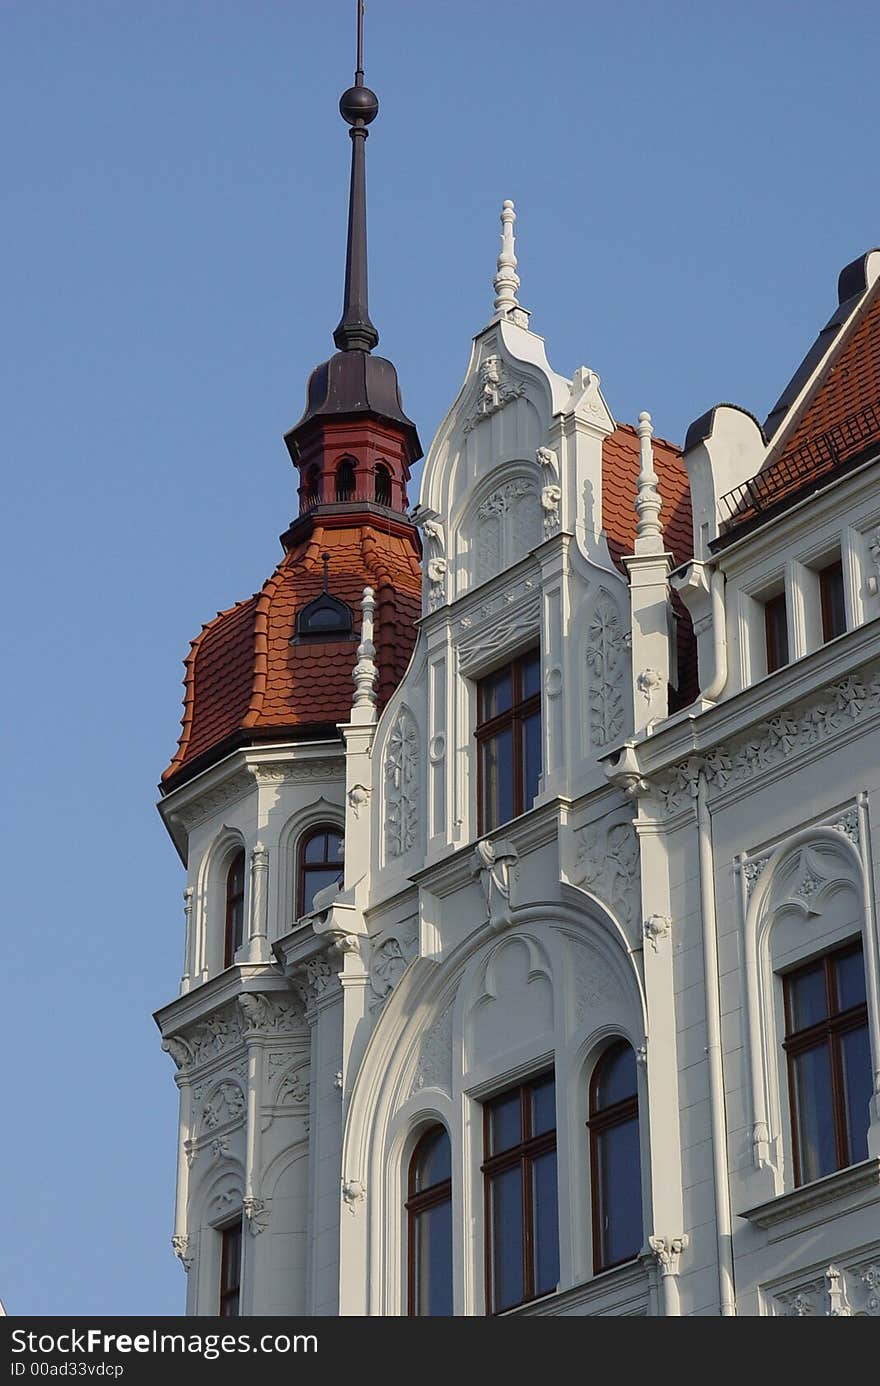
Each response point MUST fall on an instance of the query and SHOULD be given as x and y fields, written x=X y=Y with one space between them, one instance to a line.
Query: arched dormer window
x=325 y=617
x=382 y=484
x=320 y=864
x=429 y=1218
x=345 y=481
x=615 y=1158
x=234 y=932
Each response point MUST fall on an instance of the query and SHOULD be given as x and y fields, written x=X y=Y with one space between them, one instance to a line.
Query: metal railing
x=808 y=462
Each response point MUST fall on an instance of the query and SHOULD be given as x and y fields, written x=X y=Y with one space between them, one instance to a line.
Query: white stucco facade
x=671 y=869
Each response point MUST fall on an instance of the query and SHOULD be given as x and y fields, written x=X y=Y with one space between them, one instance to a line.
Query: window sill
x=838 y=1186
x=622 y=1290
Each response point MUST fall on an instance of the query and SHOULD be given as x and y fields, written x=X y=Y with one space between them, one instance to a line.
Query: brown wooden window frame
x=774 y=654
x=514 y=717
x=825 y=1032
x=602 y=1119
x=345 y=481
x=522 y=1155
x=302 y=866
x=419 y=1202
x=230 y=1276
x=831 y=572
x=233 y=934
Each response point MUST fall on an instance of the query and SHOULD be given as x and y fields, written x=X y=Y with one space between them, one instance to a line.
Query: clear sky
x=689 y=179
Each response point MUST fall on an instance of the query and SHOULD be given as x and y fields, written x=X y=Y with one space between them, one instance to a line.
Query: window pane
x=833 y=605
x=236 y=923
x=814 y=1117
x=531 y=758
x=434 y=1162
x=850 y=980
x=616 y=1077
x=531 y=674
x=777 y=633
x=507 y=1249
x=807 y=997
x=619 y=1179
x=496 y=694
x=505 y=1122
x=544 y=1106
x=546 y=1222
x=231 y=1258
x=855 y=1056
x=433 y=1261
x=316 y=848
x=497 y=779
x=316 y=878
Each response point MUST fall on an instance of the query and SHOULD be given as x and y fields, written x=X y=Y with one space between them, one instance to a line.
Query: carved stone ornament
x=388 y=962
x=493 y=392
x=829 y=713
x=606 y=648
x=649 y=682
x=507 y=526
x=358 y=798
x=293 y=1090
x=213 y=801
x=656 y=927
x=551 y=491
x=873 y=580
x=226 y=1104
x=313 y=978
x=207 y=1039
x=256 y=1211
x=607 y=865
x=495 y=864
x=434 y=1064
x=402 y=759
x=181 y=1245
x=667 y=1251
x=269 y=1014
x=499 y=624
x=353 y=1192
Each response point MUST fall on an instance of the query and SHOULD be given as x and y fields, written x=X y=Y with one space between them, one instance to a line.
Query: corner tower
x=255 y=802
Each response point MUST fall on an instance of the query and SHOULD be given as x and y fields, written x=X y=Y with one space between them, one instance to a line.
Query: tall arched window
x=234 y=936
x=429 y=1213
x=615 y=1158
x=345 y=481
x=321 y=857
x=382 y=484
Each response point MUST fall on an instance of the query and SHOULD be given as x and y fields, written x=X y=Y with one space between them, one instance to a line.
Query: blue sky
x=689 y=179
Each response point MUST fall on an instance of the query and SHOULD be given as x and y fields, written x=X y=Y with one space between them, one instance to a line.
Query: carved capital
x=667 y=1250
x=256 y=1210
x=313 y=979
x=495 y=864
x=181 y=1245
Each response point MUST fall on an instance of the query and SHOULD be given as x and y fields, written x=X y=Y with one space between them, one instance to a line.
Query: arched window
x=321 y=855
x=313 y=485
x=234 y=908
x=345 y=481
x=615 y=1158
x=429 y=1214
x=382 y=484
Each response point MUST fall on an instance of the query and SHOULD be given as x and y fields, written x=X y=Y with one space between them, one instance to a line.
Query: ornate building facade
x=531 y=946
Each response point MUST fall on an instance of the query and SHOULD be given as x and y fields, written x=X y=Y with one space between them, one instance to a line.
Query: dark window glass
x=383 y=485
x=776 y=627
x=829 y=1062
x=234 y=934
x=230 y=1271
x=509 y=740
x=321 y=857
x=313 y=485
x=833 y=605
x=615 y=1158
x=522 y=1212
x=345 y=481
x=429 y=1210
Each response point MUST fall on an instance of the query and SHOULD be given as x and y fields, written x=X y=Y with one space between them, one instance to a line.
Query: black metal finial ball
x=359 y=104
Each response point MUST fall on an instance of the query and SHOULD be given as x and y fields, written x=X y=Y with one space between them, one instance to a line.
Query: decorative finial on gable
x=506 y=281
x=365 y=672
x=649 y=530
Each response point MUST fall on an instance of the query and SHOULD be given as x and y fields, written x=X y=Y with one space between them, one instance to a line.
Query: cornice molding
x=810 y=1197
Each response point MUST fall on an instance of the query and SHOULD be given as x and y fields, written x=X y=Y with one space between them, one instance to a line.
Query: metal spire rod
x=359 y=107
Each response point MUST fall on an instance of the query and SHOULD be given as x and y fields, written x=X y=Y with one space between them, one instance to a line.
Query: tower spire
x=506 y=282
x=359 y=107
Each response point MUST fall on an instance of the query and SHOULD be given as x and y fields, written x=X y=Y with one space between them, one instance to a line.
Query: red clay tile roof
x=244 y=678
x=838 y=421
x=620 y=470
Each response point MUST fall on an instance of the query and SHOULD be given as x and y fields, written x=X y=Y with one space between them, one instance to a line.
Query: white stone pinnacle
x=365 y=672
x=506 y=281
x=648 y=504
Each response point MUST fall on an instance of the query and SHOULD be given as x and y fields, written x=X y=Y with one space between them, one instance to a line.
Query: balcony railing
x=807 y=463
